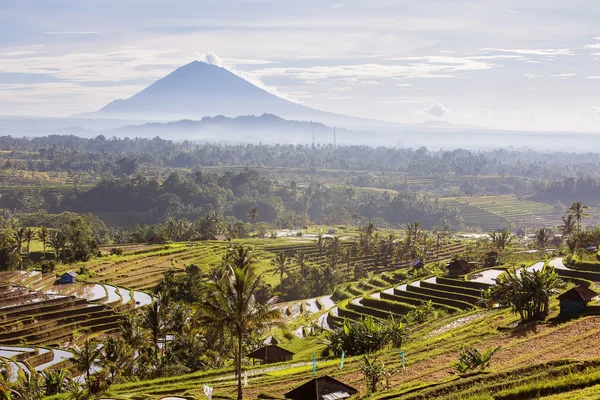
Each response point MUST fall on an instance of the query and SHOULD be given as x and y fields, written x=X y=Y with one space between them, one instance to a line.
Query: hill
x=198 y=89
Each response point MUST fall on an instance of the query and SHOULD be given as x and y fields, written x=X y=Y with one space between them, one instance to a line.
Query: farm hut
x=331 y=231
x=271 y=354
x=460 y=267
x=68 y=277
x=418 y=264
x=322 y=388
x=574 y=301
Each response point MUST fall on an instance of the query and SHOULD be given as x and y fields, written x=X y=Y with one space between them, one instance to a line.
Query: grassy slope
x=429 y=357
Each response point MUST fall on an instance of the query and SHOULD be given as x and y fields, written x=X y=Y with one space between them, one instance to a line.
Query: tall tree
x=568 y=227
x=253 y=214
x=58 y=242
x=85 y=357
x=281 y=262
x=28 y=236
x=334 y=248
x=543 y=237
x=578 y=211
x=231 y=304
x=501 y=239
x=301 y=259
x=44 y=235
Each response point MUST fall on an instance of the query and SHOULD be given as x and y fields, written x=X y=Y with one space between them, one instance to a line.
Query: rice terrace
x=312 y=200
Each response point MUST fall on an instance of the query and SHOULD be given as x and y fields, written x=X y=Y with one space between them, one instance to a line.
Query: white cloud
x=339 y=5
x=591 y=113
x=486 y=113
x=528 y=117
x=530 y=75
x=592 y=46
x=71 y=33
x=211 y=58
x=563 y=75
x=593 y=77
x=533 y=52
x=436 y=109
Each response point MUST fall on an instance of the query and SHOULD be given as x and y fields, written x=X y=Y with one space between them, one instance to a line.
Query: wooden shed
x=460 y=267
x=417 y=264
x=322 y=388
x=574 y=301
x=68 y=277
x=271 y=354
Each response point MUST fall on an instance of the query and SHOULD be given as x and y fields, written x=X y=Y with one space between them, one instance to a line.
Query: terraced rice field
x=499 y=212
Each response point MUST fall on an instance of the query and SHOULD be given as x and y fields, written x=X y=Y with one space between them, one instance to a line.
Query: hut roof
x=417 y=262
x=71 y=273
x=262 y=353
x=322 y=388
x=463 y=265
x=578 y=293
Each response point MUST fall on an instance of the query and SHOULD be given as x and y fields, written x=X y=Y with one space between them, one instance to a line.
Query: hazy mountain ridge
x=198 y=89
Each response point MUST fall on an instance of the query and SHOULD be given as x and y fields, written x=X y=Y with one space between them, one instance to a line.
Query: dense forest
x=124 y=155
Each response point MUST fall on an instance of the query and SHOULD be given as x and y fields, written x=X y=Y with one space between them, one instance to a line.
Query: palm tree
x=281 y=263
x=133 y=333
x=85 y=357
x=19 y=237
x=334 y=248
x=501 y=239
x=155 y=322
x=301 y=261
x=231 y=304
x=44 y=236
x=56 y=381
x=413 y=230
x=320 y=244
x=542 y=237
x=58 y=242
x=253 y=214
x=569 y=226
x=28 y=236
x=578 y=211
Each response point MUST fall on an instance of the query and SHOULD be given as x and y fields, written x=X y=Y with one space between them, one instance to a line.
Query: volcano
x=199 y=89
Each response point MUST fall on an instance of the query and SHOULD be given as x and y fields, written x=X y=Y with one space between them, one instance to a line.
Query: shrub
x=116 y=251
x=373 y=371
x=472 y=359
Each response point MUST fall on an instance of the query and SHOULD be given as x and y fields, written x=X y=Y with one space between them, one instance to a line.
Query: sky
x=502 y=64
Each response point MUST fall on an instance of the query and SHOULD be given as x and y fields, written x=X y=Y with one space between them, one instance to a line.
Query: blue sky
x=501 y=64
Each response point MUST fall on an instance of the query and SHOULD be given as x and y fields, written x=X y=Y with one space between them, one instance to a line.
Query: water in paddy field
x=125 y=294
x=327 y=302
x=488 y=276
x=88 y=291
x=59 y=356
x=113 y=294
x=142 y=299
x=311 y=306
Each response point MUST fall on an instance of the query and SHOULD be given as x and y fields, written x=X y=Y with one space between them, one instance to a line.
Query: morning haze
x=307 y=200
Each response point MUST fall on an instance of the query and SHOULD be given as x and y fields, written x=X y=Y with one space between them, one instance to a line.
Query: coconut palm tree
x=44 y=235
x=334 y=248
x=154 y=321
x=28 y=236
x=253 y=214
x=321 y=243
x=58 y=242
x=85 y=357
x=501 y=239
x=569 y=226
x=19 y=238
x=230 y=304
x=282 y=263
x=542 y=237
x=133 y=332
x=578 y=211
x=413 y=230
x=300 y=259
